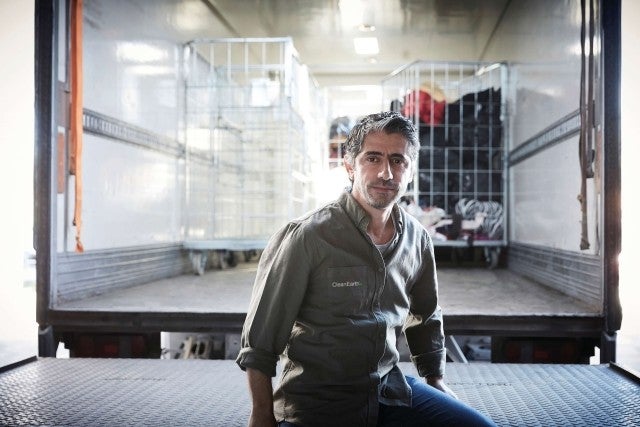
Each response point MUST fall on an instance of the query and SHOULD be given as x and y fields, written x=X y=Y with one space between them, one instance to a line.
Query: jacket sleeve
x=423 y=328
x=278 y=291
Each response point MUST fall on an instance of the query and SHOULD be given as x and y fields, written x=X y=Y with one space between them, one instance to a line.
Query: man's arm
x=262 y=399
x=278 y=291
x=423 y=327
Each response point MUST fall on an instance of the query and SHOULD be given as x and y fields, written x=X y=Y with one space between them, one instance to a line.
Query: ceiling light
x=351 y=12
x=366 y=45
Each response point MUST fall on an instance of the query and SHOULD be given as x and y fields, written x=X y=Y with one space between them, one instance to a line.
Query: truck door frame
x=51 y=114
x=612 y=212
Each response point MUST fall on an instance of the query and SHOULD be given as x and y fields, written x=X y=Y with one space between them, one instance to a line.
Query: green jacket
x=327 y=301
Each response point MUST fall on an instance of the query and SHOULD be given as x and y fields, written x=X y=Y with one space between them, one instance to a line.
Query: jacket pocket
x=348 y=289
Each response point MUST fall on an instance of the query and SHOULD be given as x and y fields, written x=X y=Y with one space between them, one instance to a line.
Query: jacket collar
x=361 y=218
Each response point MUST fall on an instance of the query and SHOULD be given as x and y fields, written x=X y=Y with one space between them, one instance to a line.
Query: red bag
x=430 y=111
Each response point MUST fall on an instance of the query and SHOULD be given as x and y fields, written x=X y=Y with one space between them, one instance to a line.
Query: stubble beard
x=381 y=201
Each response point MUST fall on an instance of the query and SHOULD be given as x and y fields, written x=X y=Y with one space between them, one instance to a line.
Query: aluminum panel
x=131 y=196
x=544 y=188
x=82 y=275
x=573 y=274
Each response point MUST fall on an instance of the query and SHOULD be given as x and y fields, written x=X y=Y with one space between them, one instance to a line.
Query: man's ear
x=349 y=167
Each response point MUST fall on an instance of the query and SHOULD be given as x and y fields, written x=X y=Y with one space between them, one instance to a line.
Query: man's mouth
x=384 y=187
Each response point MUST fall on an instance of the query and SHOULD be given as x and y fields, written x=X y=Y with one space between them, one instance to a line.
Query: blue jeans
x=429 y=407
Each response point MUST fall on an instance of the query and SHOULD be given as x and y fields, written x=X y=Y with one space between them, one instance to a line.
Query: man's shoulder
x=320 y=217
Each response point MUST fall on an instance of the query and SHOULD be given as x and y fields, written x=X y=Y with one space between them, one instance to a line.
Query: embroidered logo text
x=345 y=284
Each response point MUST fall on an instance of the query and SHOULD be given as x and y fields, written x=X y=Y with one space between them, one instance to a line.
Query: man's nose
x=385 y=171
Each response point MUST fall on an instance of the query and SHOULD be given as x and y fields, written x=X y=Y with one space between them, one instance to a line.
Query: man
x=333 y=291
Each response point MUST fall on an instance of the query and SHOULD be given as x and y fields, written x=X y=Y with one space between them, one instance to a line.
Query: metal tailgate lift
x=213 y=392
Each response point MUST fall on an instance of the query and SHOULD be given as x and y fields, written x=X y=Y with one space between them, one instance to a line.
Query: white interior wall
x=541 y=39
x=131 y=195
x=140 y=204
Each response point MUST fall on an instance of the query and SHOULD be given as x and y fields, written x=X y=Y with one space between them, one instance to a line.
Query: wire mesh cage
x=249 y=158
x=459 y=189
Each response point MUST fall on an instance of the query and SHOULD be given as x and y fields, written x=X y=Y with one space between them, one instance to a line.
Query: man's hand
x=262 y=419
x=438 y=382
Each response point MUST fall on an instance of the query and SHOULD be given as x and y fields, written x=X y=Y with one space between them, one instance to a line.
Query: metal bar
x=102 y=125
x=454 y=351
x=242 y=40
x=627 y=372
x=18 y=364
x=559 y=131
x=44 y=213
x=611 y=62
x=220 y=16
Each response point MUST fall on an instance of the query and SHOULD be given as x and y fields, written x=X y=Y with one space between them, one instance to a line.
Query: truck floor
x=463 y=291
x=148 y=392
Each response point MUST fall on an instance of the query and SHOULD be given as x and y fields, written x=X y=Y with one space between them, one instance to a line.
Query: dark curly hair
x=387 y=122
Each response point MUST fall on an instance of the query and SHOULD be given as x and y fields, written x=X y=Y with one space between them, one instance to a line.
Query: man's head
x=380 y=154
x=387 y=122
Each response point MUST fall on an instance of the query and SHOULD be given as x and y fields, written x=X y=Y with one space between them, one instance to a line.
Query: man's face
x=382 y=171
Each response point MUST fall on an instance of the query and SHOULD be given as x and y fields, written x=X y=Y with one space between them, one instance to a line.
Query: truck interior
x=175 y=136
x=211 y=126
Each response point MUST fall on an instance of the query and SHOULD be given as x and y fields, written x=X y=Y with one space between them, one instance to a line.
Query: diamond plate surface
x=117 y=392
x=548 y=395
x=124 y=392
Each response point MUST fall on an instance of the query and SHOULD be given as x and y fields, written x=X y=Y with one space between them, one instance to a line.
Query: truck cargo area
x=466 y=291
x=476 y=300
x=198 y=145
x=197 y=392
